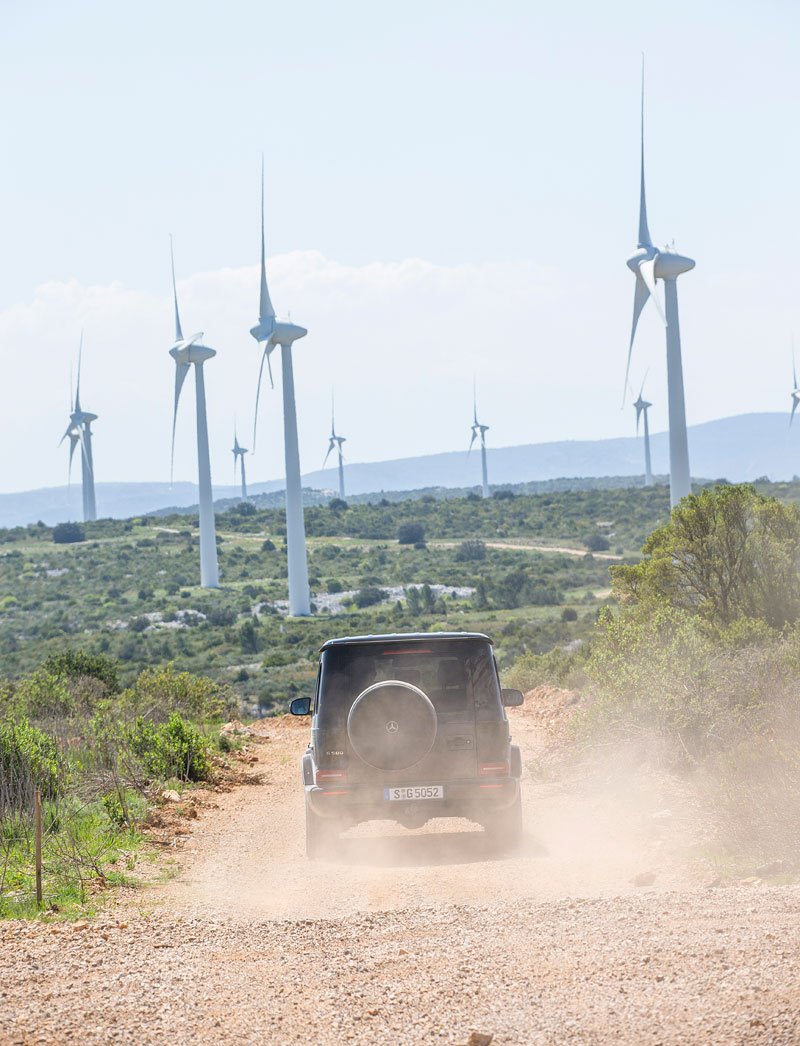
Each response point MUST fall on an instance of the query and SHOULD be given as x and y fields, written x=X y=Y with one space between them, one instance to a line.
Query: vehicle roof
x=404 y=637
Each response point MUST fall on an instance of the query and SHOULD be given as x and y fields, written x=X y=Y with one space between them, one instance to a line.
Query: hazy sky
x=452 y=189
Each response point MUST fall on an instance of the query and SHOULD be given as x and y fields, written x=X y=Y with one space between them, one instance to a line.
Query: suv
x=406 y=728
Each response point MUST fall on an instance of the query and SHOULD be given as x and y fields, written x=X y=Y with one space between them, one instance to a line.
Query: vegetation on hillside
x=129 y=590
x=98 y=755
x=698 y=667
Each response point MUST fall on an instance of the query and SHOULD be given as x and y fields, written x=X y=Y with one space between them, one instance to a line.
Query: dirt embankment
x=605 y=927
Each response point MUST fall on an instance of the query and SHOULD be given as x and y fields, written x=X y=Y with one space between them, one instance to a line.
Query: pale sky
x=452 y=189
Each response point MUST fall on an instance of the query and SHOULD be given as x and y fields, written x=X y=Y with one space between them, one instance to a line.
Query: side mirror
x=302 y=706
x=512 y=698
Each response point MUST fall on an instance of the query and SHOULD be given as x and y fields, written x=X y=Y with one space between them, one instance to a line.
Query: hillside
x=737 y=448
x=516 y=566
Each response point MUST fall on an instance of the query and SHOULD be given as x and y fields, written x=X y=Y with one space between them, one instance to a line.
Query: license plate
x=414 y=792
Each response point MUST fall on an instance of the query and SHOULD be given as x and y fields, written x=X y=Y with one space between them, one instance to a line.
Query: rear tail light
x=500 y=769
x=331 y=777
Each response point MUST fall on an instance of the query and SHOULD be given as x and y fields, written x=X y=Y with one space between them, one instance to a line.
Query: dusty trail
x=423 y=936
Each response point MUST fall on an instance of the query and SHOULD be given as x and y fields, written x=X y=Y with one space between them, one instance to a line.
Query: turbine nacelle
x=277 y=332
x=82 y=417
x=189 y=351
x=670 y=265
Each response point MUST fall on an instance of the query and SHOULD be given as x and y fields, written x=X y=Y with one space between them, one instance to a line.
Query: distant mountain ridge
x=739 y=448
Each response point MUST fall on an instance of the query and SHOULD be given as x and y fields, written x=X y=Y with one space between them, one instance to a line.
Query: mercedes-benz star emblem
x=392 y=727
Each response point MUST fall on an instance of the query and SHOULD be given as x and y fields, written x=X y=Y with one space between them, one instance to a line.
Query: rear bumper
x=473 y=799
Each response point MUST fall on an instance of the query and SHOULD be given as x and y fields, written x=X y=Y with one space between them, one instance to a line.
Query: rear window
x=459 y=676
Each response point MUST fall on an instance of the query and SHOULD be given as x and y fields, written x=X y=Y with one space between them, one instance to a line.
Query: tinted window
x=458 y=676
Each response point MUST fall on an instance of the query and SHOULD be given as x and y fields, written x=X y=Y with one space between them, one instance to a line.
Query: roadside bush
x=79 y=663
x=171 y=749
x=597 y=543
x=558 y=667
x=727 y=553
x=29 y=759
x=158 y=692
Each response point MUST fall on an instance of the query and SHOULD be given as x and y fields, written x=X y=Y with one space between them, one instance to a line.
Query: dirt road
x=414 y=937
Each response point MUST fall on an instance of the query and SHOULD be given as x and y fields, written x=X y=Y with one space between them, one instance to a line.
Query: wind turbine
x=273 y=332
x=335 y=443
x=79 y=431
x=479 y=430
x=239 y=452
x=642 y=406
x=649 y=264
x=185 y=352
x=795 y=389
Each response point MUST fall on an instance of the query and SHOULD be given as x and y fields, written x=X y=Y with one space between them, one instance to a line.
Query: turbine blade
x=178 y=331
x=181 y=370
x=794 y=367
x=78 y=384
x=331 y=445
x=640 y=296
x=647 y=270
x=82 y=441
x=644 y=232
x=265 y=310
x=472 y=441
x=72 y=444
x=267 y=350
x=794 y=408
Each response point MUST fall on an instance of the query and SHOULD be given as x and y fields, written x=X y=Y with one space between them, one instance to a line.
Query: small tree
x=410 y=534
x=67 y=533
x=727 y=553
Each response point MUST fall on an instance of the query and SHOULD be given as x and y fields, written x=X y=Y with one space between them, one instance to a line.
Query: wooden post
x=38 y=844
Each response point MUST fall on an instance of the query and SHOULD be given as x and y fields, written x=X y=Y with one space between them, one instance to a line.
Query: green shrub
x=410 y=534
x=29 y=759
x=67 y=533
x=557 y=667
x=160 y=691
x=471 y=551
x=77 y=663
x=727 y=553
x=171 y=749
x=368 y=596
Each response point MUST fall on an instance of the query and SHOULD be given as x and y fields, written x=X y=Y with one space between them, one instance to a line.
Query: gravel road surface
x=603 y=929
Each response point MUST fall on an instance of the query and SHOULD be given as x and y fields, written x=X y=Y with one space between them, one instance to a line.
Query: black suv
x=406 y=728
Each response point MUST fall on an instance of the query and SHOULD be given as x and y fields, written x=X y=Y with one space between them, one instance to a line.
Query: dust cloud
x=593 y=829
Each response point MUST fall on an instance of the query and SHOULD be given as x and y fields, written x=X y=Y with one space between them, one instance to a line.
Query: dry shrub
x=725 y=714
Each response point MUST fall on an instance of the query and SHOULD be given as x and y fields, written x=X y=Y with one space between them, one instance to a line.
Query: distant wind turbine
x=273 y=332
x=641 y=407
x=479 y=430
x=335 y=443
x=79 y=432
x=238 y=454
x=649 y=264
x=185 y=352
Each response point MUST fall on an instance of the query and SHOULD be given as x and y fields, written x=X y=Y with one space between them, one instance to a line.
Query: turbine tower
x=239 y=452
x=641 y=407
x=649 y=264
x=185 y=352
x=335 y=443
x=79 y=431
x=480 y=430
x=273 y=332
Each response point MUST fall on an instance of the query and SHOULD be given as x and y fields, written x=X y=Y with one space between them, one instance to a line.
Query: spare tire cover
x=391 y=725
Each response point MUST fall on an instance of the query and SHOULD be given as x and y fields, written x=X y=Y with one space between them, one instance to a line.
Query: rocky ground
x=608 y=926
